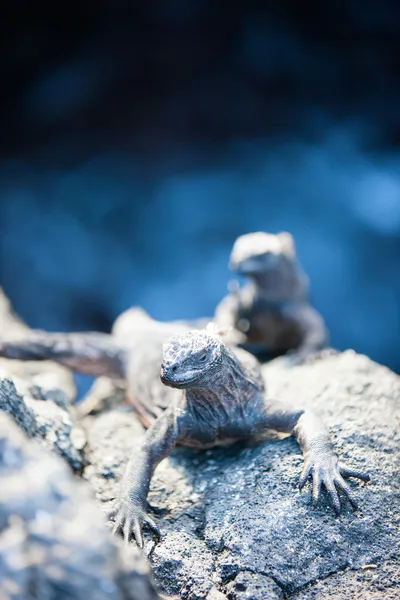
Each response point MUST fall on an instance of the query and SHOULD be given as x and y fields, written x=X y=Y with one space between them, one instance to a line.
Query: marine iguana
x=213 y=395
x=271 y=313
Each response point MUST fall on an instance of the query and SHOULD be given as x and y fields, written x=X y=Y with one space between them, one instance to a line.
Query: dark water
x=135 y=147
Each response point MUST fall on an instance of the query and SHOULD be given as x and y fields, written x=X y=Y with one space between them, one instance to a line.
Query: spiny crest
x=180 y=347
x=214 y=329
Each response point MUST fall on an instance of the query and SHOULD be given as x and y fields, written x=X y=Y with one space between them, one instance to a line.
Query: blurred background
x=139 y=139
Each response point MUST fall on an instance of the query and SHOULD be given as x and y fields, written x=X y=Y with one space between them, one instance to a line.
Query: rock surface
x=38 y=396
x=376 y=582
x=54 y=541
x=234 y=524
x=47 y=416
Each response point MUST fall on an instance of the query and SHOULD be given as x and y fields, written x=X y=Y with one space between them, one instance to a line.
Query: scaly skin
x=213 y=394
x=271 y=313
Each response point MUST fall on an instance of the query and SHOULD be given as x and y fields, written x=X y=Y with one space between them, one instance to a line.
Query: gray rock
x=54 y=541
x=214 y=594
x=233 y=519
x=39 y=395
x=375 y=582
x=47 y=416
x=252 y=586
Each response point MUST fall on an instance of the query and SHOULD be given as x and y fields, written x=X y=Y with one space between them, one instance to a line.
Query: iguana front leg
x=130 y=513
x=321 y=462
x=313 y=329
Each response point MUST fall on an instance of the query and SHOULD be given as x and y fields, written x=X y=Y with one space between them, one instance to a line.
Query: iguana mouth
x=179 y=383
x=247 y=266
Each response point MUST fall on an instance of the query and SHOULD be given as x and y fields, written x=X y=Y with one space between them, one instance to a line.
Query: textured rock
x=54 y=541
x=47 y=416
x=38 y=396
x=214 y=594
x=376 y=582
x=232 y=518
x=249 y=586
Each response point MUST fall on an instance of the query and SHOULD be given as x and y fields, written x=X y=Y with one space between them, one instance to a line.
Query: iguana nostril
x=174 y=368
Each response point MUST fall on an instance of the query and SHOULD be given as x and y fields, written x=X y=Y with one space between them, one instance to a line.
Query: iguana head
x=192 y=359
x=260 y=252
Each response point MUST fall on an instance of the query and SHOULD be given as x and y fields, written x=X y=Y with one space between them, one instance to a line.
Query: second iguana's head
x=261 y=252
x=192 y=359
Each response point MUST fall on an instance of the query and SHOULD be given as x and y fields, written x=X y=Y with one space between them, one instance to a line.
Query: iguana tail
x=90 y=353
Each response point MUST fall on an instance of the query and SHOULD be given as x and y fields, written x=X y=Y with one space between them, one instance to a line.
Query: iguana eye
x=203 y=357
